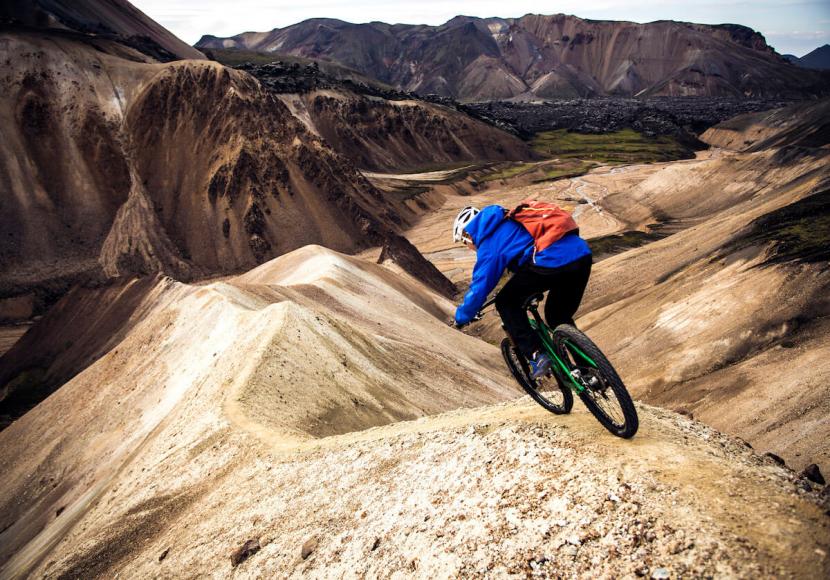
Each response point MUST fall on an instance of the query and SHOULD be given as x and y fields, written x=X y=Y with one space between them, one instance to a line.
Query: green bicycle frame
x=544 y=332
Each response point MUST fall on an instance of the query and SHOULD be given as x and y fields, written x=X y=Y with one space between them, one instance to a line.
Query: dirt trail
x=323 y=401
x=608 y=224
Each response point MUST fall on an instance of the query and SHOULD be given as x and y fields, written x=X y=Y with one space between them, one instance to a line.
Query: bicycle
x=578 y=366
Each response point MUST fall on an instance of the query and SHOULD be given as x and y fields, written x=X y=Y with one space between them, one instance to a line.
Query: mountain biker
x=502 y=243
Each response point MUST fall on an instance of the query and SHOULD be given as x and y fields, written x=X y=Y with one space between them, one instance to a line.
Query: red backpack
x=546 y=222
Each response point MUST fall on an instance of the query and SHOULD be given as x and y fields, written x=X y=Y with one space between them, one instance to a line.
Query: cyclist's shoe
x=539 y=365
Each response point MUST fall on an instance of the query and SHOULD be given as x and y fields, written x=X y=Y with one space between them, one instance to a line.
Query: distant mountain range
x=819 y=59
x=476 y=59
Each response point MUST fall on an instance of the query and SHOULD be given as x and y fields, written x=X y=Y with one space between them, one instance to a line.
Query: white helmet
x=464 y=217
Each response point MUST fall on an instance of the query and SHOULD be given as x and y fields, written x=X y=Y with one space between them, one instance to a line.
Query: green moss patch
x=539 y=172
x=508 y=172
x=625 y=146
x=605 y=246
x=565 y=171
x=799 y=232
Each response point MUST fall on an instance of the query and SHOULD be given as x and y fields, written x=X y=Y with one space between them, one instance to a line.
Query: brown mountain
x=189 y=168
x=113 y=164
x=110 y=19
x=545 y=56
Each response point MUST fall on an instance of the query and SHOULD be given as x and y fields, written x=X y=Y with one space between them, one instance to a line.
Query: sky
x=790 y=26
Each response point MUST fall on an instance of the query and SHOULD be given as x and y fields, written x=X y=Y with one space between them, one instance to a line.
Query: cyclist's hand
x=454 y=324
x=451 y=322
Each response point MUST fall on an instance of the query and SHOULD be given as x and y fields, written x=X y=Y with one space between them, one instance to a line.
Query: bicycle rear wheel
x=604 y=393
x=546 y=391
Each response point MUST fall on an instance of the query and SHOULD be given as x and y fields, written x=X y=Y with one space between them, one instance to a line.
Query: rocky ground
x=683 y=117
x=505 y=492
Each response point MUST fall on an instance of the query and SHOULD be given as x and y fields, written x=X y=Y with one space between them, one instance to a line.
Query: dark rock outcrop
x=399 y=250
x=244 y=552
x=683 y=118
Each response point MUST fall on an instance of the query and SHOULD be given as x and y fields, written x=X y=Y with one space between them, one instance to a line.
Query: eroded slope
x=112 y=166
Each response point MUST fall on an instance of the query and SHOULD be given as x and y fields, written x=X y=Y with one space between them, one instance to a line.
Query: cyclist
x=502 y=243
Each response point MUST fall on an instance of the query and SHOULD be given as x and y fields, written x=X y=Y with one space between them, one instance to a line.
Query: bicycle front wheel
x=603 y=391
x=546 y=391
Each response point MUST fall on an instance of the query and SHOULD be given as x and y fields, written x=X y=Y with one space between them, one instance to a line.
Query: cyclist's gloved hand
x=455 y=323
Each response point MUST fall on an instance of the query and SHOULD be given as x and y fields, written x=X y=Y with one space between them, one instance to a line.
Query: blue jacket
x=503 y=243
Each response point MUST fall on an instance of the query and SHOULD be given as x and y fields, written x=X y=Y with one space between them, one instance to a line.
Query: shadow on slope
x=74 y=334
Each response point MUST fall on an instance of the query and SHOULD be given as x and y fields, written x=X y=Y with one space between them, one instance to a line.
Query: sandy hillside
x=119 y=166
x=238 y=411
x=715 y=318
x=804 y=124
x=311 y=344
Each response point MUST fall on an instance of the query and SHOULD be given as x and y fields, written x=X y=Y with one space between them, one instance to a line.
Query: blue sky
x=791 y=27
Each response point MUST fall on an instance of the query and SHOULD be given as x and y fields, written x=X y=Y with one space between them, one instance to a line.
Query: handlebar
x=479 y=315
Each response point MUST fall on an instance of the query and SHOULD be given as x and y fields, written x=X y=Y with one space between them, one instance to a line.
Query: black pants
x=566 y=284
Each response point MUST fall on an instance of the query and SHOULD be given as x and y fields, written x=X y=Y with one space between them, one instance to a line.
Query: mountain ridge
x=545 y=56
x=113 y=20
x=186 y=167
x=818 y=59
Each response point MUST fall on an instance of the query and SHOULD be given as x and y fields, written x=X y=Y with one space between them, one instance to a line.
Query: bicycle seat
x=533 y=301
